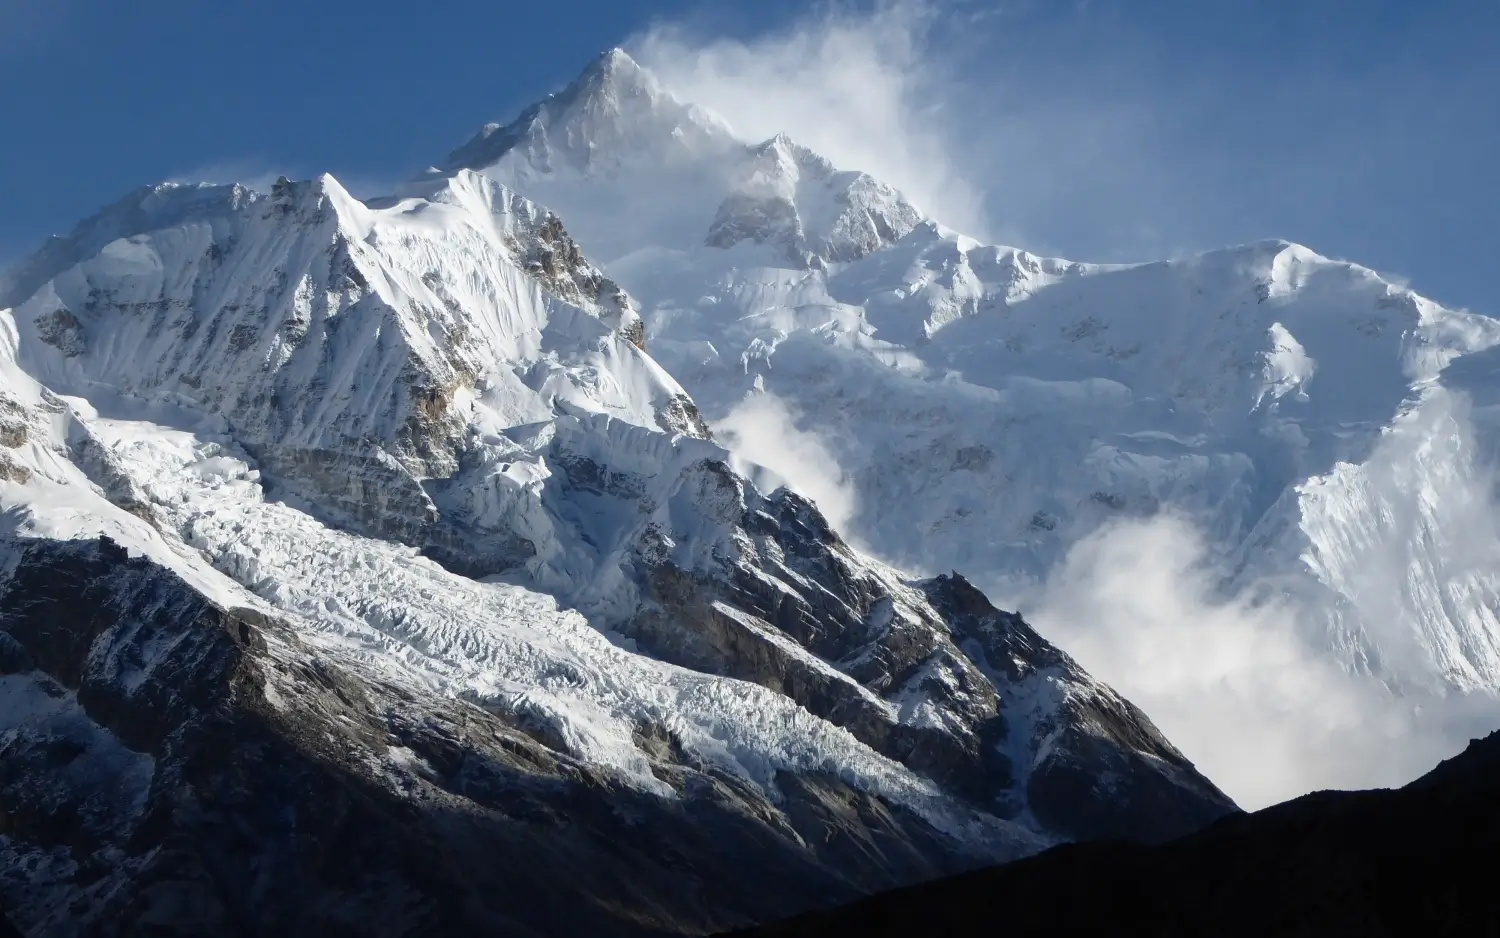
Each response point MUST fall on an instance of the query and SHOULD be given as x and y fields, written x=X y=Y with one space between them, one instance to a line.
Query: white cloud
x=1244 y=683
x=1257 y=686
x=953 y=106
x=1247 y=685
x=862 y=88
x=1230 y=682
x=762 y=434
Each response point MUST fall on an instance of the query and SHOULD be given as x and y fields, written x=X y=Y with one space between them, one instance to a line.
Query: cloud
x=951 y=105
x=1229 y=682
x=766 y=446
x=862 y=88
x=1244 y=679
x=1014 y=122
x=1257 y=685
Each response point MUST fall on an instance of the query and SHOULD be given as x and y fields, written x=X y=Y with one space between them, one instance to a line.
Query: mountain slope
x=980 y=408
x=1365 y=863
x=370 y=531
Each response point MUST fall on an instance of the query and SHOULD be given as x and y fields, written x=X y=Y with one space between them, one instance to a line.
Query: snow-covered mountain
x=648 y=176
x=360 y=570
x=420 y=565
x=988 y=410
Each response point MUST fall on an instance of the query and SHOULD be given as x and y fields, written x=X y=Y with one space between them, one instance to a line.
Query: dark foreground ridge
x=1366 y=863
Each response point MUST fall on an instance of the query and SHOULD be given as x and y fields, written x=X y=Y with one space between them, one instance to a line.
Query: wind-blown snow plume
x=762 y=432
x=859 y=88
x=251 y=173
x=260 y=175
x=1027 y=154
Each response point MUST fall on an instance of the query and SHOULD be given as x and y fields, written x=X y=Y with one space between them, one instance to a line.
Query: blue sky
x=1100 y=130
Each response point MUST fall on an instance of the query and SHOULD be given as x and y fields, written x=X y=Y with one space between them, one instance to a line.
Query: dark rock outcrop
x=1011 y=723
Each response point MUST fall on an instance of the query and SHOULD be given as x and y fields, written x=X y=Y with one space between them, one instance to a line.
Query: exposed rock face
x=14 y=431
x=62 y=329
x=927 y=673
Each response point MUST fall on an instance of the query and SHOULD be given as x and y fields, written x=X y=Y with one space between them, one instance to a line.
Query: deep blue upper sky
x=1098 y=130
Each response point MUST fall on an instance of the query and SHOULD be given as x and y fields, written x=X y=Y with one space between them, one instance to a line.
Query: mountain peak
x=613 y=112
x=611 y=76
x=781 y=155
x=615 y=64
x=794 y=197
